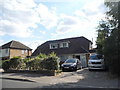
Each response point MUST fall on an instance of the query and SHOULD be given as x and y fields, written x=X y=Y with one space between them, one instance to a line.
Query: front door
x=83 y=60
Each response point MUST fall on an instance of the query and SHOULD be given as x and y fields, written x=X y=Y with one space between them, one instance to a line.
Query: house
x=77 y=47
x=14 y=48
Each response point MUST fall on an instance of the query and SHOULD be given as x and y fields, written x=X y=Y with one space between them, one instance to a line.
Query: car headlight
x=73 y=65
x=62 y=65
x=89 y=63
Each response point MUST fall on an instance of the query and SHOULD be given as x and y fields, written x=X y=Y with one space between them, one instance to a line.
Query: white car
x=96 y=61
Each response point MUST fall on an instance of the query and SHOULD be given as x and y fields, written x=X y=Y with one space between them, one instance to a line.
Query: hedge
x=40 y=62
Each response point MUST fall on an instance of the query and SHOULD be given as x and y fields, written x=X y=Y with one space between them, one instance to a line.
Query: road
x=80 y=79
x=18 y=84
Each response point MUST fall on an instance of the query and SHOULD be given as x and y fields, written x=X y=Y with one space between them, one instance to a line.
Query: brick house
x=77 y=47
x=14 y=48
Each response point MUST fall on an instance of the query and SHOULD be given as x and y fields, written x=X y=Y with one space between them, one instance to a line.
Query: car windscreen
x=70 y=61
x=94 y=57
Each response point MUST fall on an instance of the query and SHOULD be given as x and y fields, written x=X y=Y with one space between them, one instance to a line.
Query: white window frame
x=53 y=46
x=64 y=45
x=23 y=51
x=6 y=51
x=26 y=51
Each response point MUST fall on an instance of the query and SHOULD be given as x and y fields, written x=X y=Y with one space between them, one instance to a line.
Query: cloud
x=33 y=44
x=66 y=23
x=92 y=11
x=42 y=31
x=48 y=17
x=20 y=17
x=84 y=19
x=93 y=7
x=17 y=17
x=14 y=29
x=82 y=22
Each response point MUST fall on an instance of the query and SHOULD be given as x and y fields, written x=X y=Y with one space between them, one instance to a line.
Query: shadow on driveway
x=91 y=79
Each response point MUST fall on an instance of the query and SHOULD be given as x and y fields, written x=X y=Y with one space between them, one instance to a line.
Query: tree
x=109 y=37
x=103 y=33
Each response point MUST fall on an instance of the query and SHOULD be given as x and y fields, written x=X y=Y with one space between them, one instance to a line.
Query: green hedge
x=50 y=63
x=41 y=62
x=14 y=63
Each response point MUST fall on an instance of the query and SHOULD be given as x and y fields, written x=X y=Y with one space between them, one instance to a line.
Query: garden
x=42 y=63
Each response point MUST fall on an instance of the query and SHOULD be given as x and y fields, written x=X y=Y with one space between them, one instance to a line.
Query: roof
x=15 y=45
x=76 y=45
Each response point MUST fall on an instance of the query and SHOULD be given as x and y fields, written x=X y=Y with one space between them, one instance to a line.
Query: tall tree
x=103 y=33
x=111 y=36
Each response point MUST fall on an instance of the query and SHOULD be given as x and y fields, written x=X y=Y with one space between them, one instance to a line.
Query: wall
x=21 y=53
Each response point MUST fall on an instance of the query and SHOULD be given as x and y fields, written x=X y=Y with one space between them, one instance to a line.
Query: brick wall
x=21 y=53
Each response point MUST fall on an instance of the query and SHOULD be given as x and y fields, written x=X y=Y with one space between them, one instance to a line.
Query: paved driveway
x=80 y=79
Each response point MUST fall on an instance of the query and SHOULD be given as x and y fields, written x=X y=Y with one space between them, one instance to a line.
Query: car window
x=94 y=57
x=70 y=61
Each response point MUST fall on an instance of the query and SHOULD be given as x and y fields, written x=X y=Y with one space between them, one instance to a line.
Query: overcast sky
x=33 y=22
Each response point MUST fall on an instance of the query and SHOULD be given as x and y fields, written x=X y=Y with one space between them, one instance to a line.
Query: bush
x=14 y=63
x=0 y=63
x=50 y=63
x=44 y=62
x=6 y=64
x=41 y=62
x=34 y=64
x=41 y=56
x=17 y=64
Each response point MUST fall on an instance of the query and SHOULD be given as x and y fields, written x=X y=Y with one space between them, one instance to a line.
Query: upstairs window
x=6 y=51
x=0 y=51
x=26 y=51
x=23 y=52
x=53 y=46
x=64 y=45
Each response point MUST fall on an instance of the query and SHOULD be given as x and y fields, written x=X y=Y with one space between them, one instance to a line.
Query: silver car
x=96 y=61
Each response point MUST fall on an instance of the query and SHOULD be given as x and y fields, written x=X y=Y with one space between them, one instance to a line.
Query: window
x=0 y=50
x=53 y=46
x=26 y=51
x=22 y=51
x=6 y=50
x=64 y=44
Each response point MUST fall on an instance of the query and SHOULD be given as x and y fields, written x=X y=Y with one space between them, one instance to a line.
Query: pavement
x=76 y=79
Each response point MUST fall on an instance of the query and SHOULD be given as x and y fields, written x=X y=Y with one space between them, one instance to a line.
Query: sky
x=33 y=22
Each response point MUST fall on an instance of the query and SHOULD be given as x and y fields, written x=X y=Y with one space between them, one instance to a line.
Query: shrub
x=14 y=63
x=42 y=56
x=50 y=63
x=26 y=60
x=0 y=63
x=6 y=64
x=53 y=54
x=34 y=64
x=17 y=64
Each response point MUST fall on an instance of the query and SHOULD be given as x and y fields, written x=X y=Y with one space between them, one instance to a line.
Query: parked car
x=71 y=64
x=96 y=61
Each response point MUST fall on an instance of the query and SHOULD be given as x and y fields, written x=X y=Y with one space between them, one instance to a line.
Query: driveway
x=81 y=79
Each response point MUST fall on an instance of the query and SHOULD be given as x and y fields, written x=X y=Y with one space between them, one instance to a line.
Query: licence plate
x=66 y=67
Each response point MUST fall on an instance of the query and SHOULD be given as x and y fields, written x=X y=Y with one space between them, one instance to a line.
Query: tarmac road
x=81 y=79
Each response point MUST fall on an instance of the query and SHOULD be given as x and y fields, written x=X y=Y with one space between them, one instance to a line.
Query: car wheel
x=63 y=69
x=90 y=70
x=76 y=69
